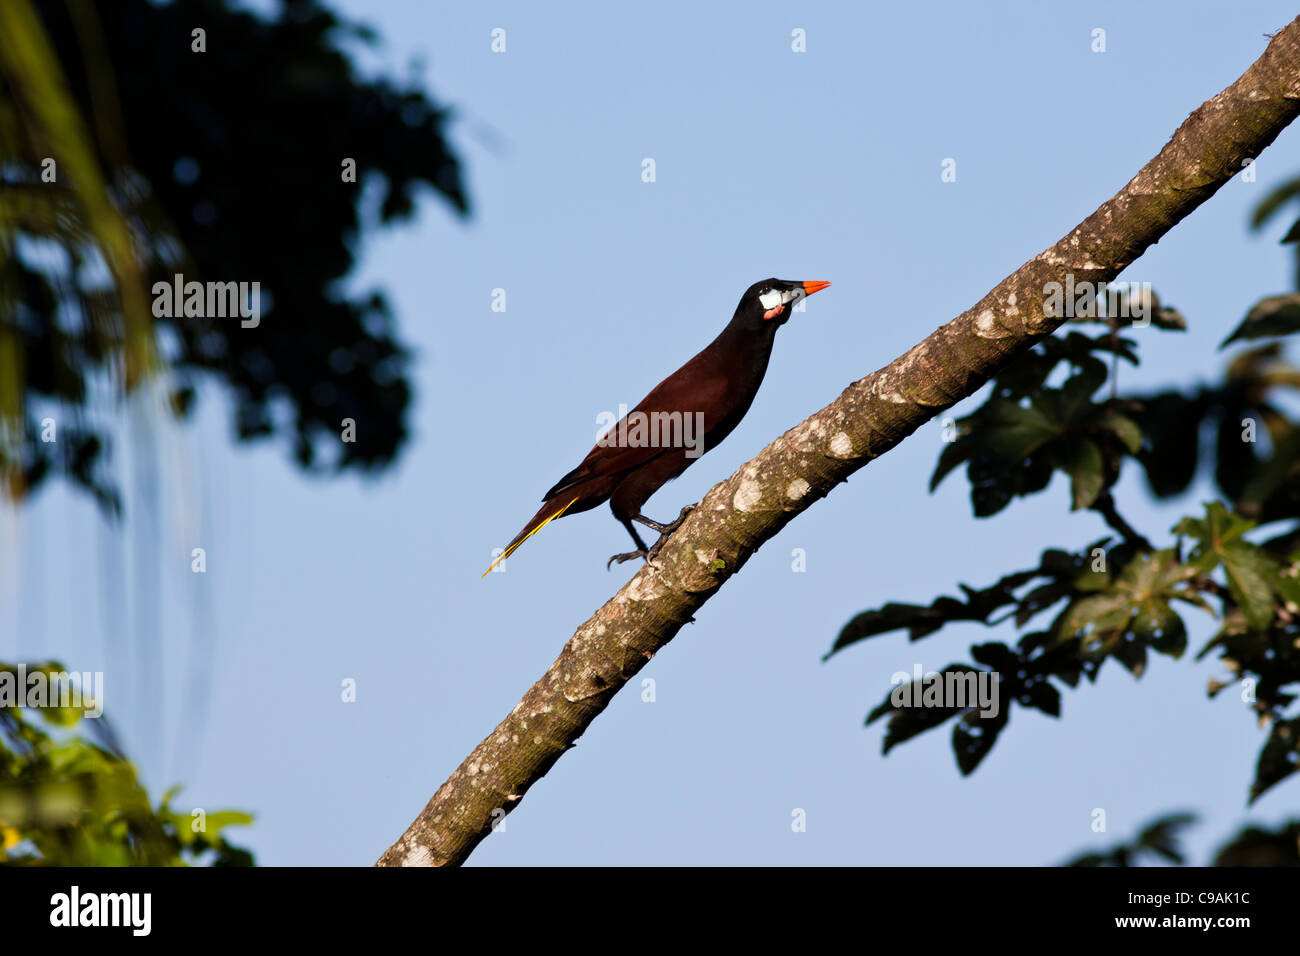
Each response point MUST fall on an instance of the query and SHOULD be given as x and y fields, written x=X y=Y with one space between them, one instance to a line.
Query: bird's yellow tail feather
x=515 y=546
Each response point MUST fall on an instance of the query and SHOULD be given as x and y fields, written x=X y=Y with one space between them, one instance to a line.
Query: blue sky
x=815 y=165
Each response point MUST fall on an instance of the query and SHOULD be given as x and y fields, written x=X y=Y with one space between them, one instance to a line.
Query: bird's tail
x=548 y=513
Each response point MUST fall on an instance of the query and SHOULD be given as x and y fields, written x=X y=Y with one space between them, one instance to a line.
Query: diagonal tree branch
x=869 y=418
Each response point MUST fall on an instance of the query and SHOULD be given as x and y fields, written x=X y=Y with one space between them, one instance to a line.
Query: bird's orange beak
x=810 y=287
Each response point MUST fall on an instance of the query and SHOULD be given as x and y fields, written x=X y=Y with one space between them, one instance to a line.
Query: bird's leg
x=665 y=530
x=640 y=552
x=670 y=527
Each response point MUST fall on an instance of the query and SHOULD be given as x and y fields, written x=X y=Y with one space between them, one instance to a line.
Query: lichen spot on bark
x=797 y=489
x=749 y=494
x=642 y=587
x=841 y=445
x=418 y=856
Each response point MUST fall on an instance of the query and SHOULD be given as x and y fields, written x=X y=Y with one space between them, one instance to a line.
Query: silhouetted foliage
x=1260 y=846
x=129 y=156
x=227 y=165
x=1123 y=598
x=1161 y=840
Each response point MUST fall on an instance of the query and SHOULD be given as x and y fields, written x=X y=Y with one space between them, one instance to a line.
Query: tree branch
x=869 y=418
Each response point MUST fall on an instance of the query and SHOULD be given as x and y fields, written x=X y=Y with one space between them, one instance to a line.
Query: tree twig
x=1105 y=506
x=869 y=418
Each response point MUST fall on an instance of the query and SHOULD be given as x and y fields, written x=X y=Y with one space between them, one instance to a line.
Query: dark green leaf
x=1084 y=465
x=1271 y=317
x=1279 y=759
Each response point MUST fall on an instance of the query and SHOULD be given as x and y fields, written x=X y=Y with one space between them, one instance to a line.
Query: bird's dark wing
x=674 y=394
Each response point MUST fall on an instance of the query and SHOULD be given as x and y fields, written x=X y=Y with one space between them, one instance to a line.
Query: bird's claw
x=627 y=556
x=672 y=526
x=665 y=532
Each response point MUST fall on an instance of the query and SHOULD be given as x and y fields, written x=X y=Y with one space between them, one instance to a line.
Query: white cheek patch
x=770 y=300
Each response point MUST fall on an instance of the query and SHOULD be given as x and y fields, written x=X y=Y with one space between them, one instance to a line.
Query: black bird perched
x=686 y=414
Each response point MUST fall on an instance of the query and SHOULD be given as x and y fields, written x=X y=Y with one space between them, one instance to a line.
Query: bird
x=688 y=413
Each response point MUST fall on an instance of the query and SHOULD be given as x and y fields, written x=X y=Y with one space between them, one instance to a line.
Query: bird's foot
x=674 y=525
x=667 y=533
x=628 y=556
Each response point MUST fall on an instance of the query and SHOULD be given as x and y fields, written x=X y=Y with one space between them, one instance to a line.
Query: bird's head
x=771 y=301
